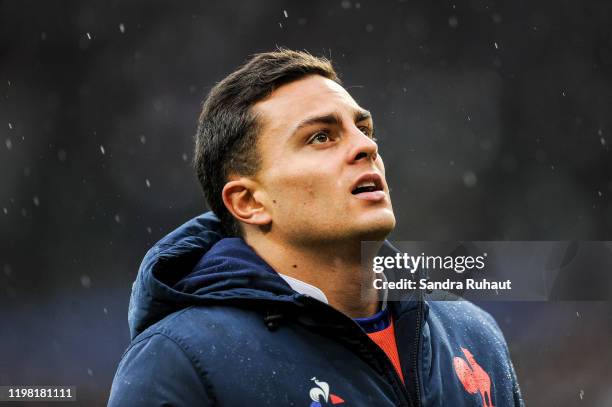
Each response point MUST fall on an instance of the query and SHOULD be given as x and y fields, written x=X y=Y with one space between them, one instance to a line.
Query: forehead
x=305 y=97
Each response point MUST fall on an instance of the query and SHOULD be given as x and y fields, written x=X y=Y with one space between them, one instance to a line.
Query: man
x=262 y=304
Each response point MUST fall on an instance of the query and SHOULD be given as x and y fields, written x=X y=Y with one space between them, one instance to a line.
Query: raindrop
x=581 y=394
x=85 y=281
x=599 y=193
x=280 y=25
x=602 y=141
x=117 y=219
x=9 y=144
x=469 y=179
x=61 y=155
x=346 y=4
x=102 y=150
x=184 y=156
x=563 y=93
x=36 y=201
x=5 y=211
x=577 y=314
x=105 y=311
x=122 y=28
x=89 y=372
x=149 y=231
x=10 y=126
x=285 y=14
x=453 y=22
x=496 y=45
x=148 y=183
x=143 y=139
x=88 y=36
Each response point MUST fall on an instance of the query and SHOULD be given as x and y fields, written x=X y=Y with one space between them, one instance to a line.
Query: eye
x=368 y=131
x=319 y=137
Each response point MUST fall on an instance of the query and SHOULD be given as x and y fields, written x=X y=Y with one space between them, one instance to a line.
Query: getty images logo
x=321 y=396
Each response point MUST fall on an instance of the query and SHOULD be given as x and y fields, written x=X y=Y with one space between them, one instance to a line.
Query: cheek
x=305 y=176
x=304 y=191
x=308 y=188
x=301 y=183
x=380 y=164
x=290 y=188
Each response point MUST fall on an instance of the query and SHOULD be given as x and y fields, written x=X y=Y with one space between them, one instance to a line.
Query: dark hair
x=226 y=139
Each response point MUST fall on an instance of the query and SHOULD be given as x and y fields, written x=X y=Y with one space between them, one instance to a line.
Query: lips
x=369 y=187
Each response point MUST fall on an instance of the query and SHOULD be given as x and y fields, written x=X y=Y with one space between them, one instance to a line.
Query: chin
x=376 y=226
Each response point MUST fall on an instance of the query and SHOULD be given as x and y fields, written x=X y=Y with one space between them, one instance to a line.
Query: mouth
x=369 y=187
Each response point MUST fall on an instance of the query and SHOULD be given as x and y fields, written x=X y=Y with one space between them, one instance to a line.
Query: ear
x=239 y=199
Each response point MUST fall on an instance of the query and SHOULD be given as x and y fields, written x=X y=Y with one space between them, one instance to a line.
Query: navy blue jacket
x=212 y=324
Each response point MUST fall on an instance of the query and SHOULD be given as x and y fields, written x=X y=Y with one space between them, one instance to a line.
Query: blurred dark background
x=494 y=120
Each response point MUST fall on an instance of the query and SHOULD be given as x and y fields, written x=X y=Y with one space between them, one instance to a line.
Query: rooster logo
x=473 y=377
x=321 y=394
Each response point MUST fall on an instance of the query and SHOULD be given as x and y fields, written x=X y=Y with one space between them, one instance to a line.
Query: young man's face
x=321 y=177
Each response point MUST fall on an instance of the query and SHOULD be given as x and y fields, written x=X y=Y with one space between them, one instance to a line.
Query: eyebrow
x=332 y=119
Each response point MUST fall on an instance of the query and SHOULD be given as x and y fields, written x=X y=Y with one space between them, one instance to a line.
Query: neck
x=334 y=269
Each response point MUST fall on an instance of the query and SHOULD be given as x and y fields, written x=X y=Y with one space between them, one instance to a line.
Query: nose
x=362 y=147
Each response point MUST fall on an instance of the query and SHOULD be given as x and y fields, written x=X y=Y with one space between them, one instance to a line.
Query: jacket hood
x=196 y=265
